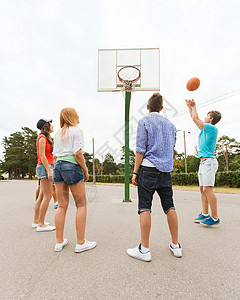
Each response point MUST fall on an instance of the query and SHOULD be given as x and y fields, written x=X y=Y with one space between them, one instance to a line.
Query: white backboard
x=147 y=60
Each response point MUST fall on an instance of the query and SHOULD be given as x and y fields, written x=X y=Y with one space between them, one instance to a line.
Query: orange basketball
x=193 y=84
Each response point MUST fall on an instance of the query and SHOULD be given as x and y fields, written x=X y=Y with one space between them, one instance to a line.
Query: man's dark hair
x=155 y=102
x=215 y=115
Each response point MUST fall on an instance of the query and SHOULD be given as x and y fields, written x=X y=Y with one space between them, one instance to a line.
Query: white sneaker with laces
x=86 y=246
x=136 y=253
x=59 y=247
x=48 y=228
x=35 y=225
x=177 y=252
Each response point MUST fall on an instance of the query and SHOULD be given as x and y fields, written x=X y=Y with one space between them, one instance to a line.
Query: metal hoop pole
x=127 y=175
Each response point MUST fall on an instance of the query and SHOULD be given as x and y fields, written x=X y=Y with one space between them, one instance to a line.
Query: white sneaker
x=177 y=252
x=86 y=246
x=48 y=228
x=136 y=253
x=59 y=247
x=35 y=225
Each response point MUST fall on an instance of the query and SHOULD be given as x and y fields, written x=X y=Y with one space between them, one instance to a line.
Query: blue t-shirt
x=207 y=141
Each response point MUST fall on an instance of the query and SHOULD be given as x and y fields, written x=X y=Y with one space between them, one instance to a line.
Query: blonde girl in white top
x=70 y=172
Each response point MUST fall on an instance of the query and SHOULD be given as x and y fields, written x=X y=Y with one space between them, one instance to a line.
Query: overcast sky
x=49 y=52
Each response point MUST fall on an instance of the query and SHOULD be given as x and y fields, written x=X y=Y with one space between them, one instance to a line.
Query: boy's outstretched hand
x=190 y=103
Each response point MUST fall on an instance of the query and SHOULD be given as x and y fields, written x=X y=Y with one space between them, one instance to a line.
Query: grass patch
x=221 y=190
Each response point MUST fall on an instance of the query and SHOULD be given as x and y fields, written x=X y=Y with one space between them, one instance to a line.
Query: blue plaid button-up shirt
x=156 y=137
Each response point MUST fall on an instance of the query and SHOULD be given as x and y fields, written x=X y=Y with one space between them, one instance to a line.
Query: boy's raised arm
x=194 y=115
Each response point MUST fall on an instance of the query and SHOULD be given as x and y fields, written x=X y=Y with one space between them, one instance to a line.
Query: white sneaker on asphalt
x=177 y=252
x=86 y=246
x=59 y=247
x=135 y=253
x=48 y=228
x=35 y=225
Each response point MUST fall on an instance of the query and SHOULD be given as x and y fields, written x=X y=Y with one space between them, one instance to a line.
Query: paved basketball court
x=30 y=269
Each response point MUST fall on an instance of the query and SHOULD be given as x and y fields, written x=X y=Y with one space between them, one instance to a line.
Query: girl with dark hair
x=44 y=172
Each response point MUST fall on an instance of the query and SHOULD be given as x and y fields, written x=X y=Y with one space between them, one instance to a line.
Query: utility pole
x=185 y=151
x=94 y=181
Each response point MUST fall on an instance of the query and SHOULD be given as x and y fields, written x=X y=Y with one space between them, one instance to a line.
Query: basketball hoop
x=126 y=71
x=128 y=76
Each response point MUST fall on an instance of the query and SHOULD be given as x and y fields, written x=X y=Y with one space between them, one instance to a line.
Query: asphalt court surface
x=30 y=269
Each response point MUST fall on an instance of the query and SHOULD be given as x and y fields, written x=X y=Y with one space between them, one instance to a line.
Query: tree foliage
x=131 y=158
x=109 y=165
x=98 y=167
x=228 y=154
x=88 y=160
x=20 y=153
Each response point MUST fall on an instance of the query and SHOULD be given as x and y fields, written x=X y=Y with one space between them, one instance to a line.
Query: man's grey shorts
x=207 y=171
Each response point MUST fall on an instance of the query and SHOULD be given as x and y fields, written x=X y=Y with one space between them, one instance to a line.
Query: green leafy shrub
x=185 y=179
x=229 y=179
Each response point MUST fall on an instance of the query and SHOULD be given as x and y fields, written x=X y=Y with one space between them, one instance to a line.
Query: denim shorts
x=207 y=171
x=67 y=172
x=41 y=171
x=150 y=181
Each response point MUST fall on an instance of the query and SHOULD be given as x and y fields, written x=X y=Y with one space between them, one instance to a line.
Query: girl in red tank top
x=48 y=150
x=44 y=172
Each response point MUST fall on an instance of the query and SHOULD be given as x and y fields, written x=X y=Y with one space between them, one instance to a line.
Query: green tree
x=89 y=161
x=120 y=169
x=131 y=158
x=227 y=152
x=20 y=155
x=14 y=155
x=179 y=163
x=234 y=163
x=192 y=163
x=30 y=138
x=2 y=168
x=98 y=167
x=109 y=166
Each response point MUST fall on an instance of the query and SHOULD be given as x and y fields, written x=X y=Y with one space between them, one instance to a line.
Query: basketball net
x=128 y=76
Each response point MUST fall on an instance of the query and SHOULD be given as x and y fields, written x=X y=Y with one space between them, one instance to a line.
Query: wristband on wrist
x=135 y=173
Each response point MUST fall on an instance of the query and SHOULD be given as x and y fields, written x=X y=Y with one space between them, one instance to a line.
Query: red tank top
x=48 y=151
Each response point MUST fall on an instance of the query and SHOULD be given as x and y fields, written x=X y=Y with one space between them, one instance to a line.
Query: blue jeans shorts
x=41 y=171
x=207 y=171
x=67 y=172
x=151 y=180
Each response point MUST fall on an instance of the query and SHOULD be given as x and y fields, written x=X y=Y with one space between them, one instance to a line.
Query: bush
x=229 y=179
x=185 y=179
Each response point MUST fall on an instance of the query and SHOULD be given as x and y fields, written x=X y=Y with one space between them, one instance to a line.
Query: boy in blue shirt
x=156 y=138
x=208 y=163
